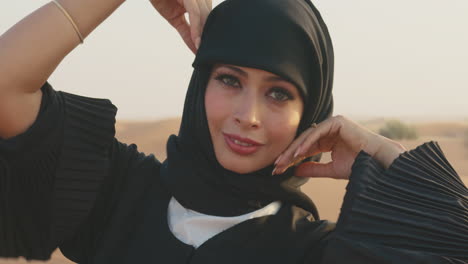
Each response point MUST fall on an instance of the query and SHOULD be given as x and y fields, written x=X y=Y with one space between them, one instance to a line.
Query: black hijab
x=284 y=37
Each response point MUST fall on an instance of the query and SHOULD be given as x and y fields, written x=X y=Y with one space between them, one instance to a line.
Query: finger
x=308 y=144
x=193 y=9
x=314 y=149
x=295 y=160
x=287 y=155
x=205 y=7
x=287 y=158
x=329 y=127
x=181 y=25
x=299 y=159
x=209 y=4
x=317 y=170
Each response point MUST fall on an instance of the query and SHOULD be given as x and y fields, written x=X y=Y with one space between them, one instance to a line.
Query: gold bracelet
x=70 y=19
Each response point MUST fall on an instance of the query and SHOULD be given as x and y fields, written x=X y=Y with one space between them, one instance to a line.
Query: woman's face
x=252 y=115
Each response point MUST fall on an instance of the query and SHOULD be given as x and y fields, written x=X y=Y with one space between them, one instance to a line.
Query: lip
x=242 y=150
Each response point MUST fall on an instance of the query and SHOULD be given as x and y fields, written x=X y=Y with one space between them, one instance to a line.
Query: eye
x=280 y=94
x=228 y=80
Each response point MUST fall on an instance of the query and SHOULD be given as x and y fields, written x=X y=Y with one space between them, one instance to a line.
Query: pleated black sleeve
x=51 y=174
x=416 y=211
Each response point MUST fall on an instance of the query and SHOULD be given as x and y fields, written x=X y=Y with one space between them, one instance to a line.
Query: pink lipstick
x=240 y=145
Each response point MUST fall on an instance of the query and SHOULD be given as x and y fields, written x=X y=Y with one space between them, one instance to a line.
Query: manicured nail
x=278 y=159
x=297 y=152
x=273 y=172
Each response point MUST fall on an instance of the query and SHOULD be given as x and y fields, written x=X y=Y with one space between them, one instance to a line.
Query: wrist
x=388 y=151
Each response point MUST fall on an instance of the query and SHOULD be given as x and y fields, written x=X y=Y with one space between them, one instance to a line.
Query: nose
x=247 y=111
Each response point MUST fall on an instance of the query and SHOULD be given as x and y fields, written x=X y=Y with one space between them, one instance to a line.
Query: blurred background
x=401 y=70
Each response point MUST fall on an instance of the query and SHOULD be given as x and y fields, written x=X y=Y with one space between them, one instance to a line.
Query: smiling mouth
x=241 y=146
x=238 y=142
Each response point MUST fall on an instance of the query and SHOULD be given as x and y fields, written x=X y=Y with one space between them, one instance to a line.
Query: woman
x=229 y=189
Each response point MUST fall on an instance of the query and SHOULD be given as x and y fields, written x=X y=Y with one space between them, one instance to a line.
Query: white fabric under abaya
x=194 y=228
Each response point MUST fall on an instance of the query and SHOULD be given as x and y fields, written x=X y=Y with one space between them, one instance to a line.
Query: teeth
x=242 y=143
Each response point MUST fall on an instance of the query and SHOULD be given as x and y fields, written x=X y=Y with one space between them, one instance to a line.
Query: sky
x=395 y=58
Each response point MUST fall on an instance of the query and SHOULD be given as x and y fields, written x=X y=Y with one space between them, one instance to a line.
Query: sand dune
x=151 y=137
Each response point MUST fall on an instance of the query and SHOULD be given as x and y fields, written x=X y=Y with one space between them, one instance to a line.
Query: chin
x=238 y=169
x=242 y=167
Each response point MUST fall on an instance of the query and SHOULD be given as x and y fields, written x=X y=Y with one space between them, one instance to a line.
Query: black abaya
x=68 y=183
x=414 y=212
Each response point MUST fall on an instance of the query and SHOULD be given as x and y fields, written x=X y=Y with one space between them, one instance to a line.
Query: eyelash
x=222 y=78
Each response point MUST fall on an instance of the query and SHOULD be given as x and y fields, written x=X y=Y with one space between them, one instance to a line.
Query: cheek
x=281 y=128
x=217 y=107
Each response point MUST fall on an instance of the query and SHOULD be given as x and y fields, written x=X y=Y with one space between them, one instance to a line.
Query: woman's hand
x=174 y=12
x=344 y=139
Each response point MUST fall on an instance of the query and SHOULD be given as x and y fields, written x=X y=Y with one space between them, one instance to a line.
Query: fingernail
x=197 y=42
x=297 y=152
x=273 y=172
x=278 y=159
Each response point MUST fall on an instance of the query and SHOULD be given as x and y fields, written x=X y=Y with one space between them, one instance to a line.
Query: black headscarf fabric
x=284 y=37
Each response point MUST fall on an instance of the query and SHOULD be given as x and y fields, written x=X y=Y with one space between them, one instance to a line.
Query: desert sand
x=327 y=193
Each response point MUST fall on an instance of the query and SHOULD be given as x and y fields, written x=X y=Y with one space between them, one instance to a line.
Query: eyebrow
x=271 y=78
